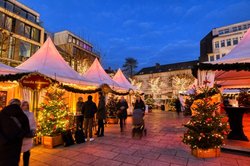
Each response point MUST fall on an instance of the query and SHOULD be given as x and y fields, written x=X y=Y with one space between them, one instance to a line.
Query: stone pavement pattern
x=161 y=147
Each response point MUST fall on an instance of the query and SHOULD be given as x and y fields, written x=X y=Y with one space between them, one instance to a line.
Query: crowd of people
x=18 y=126
x=88 y=110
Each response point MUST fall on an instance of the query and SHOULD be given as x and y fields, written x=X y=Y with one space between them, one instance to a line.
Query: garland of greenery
x=18 y=76
x=119 y=93
x=223 y=67
x=75 y=90
x=12 y=77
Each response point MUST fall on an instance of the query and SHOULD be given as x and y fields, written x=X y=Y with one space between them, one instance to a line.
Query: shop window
x=35 y=34
x=235 y=41
x=25 y=49
x=27 y=30
x=217 y=45
x=8 y=23
x=222 y=43
x=211 y=58
x=229 y=42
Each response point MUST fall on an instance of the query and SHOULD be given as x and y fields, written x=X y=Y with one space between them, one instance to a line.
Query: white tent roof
x=240 y=53
x=122 y=80
x=5 y=69
x=49 y=62
x=97 y=74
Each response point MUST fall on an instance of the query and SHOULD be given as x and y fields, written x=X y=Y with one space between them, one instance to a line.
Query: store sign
x=35 y=81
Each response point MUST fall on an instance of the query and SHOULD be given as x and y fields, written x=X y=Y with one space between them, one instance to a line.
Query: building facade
x=220 y=41
x=166 y=81
x=76 y=51
x=21 y=34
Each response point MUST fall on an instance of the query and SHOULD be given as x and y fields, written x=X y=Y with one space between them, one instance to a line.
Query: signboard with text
x=35 y=81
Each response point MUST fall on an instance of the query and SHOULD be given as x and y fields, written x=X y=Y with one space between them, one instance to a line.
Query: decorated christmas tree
x=53 y=117
x=111 y=107
x=205 y=130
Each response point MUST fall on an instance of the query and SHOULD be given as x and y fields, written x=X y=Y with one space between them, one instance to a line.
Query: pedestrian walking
x=14 y=125
x=122 y=107
x=28 y=140
x=139 y=104
x=89 y=110
x=178 y=106
x=101 y=115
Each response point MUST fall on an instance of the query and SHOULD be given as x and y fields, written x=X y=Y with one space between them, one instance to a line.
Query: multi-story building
x=166 y=81
x=220 y=41
x=20 y=32
x=76 y=51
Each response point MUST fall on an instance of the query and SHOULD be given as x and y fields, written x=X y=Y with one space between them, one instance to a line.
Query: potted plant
x=53 y=118
x=205 y=131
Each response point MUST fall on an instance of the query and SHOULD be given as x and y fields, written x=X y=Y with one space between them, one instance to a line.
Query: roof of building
x=168 y=67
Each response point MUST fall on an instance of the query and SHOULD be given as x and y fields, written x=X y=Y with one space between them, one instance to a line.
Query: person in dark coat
x=177 y=106
x=101 y=115
x=14 y=125
x=139 y=104
x=122 y=107
x=89 y=110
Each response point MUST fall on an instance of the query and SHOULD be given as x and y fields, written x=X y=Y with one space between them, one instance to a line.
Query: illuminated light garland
x=13 y=84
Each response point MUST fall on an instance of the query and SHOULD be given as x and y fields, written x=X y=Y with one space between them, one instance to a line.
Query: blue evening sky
x=163 y=31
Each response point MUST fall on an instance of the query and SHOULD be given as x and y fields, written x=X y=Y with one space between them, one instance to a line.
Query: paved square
x=161 y=147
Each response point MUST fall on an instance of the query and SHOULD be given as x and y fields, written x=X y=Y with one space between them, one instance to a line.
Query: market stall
x=120 y=79
x=231 y=72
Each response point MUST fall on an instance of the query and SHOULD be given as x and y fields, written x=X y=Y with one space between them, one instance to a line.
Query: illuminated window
x=25 y=49
x=69 y=38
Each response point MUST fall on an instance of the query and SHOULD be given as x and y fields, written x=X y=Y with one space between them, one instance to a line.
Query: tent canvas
x=96 y=73
x=5 y=69
x=49 y=62
x=122 y=80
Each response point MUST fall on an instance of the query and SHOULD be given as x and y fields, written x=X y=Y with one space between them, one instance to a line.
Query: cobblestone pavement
x=162 y=146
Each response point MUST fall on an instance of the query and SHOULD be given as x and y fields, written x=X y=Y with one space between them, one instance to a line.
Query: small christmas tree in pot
x=205 y=131
x=53 y=118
